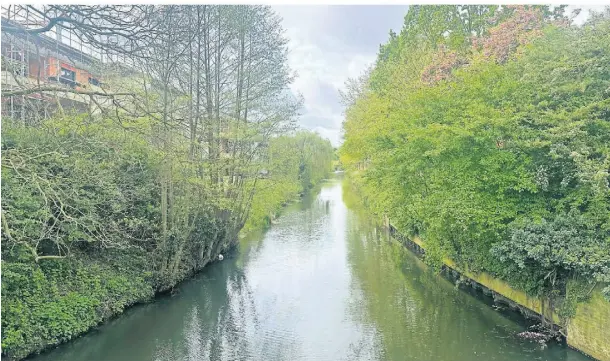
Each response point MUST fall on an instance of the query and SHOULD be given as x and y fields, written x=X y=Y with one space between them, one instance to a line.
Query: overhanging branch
x=17 y=29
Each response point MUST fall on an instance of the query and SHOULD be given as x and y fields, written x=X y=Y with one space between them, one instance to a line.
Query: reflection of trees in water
x=193 y=337
x=367 y=348
x=236 y=321
x=311 y=196
x=418 y=314
x=306 y=224
x=223 y=323
x=220 y=322
x=238 y=334
x=231 y=330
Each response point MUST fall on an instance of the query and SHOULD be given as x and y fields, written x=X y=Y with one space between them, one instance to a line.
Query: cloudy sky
x=328 y=45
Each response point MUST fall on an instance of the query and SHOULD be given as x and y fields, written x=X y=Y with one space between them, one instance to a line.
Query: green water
x=322 y=284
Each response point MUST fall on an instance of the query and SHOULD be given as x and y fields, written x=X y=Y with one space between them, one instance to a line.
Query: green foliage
x=295 y=163
x=80 y=229
x=552 y=252
x=494 y=151
x=52 y=302
x=64 y=189
x=81 y=221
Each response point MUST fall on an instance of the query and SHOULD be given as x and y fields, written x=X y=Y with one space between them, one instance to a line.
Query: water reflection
x=321 y=284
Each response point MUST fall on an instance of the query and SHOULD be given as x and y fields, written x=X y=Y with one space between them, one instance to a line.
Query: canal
x=323 y=283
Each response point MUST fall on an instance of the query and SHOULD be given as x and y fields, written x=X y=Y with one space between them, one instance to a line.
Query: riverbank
x=63 y=301
x=94 y=222
x=116 y=272
x=109 y=286
x=586 y=332
x=119 y=285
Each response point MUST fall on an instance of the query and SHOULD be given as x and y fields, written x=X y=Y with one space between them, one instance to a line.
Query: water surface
x=322 y=284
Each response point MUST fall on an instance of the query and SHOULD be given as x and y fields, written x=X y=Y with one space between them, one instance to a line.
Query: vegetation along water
x=487 y=136
x=151 y=162
x=324 y=283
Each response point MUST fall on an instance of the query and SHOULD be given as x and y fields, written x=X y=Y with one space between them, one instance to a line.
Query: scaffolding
x=57 y=58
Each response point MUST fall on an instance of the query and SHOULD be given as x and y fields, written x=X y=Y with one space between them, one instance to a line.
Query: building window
x=67 y=77
x=94 y=81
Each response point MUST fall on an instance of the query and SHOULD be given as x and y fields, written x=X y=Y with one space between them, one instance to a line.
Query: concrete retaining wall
x=588 y=331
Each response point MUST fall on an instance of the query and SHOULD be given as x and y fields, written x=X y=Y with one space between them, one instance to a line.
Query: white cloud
x=328 y=45
x=334 y=135
x=585 y=12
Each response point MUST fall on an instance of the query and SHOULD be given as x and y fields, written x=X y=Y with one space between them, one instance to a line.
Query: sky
x=330 y=44
x=327 y=46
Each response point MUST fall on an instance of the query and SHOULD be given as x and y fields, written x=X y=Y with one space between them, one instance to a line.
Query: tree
x=490 y=146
